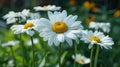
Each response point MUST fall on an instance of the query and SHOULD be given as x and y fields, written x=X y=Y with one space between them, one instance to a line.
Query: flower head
x=100 y=25
x=81 y=59
x=22 y=16
x=60 y=28
x=88 y=4
x=11 y=17
x=97 y=38
x=95 y=9
x=10 y=43
x=47 y=8
x=90 y=19
x=73 y=2
x=28 y=27
x=117 y=13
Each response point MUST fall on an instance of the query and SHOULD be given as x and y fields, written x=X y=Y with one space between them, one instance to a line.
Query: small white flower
x=26 y=28
x=60 y=28
x=81 y=59
x=10 y=43
x=35 y=41
x=25 y=13
x=11 y=14
x=10 y=63
x=97 y=38
x=104 y=26
x=47 y=8
x=11 y=17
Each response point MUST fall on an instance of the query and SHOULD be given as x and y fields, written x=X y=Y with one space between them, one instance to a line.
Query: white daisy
x=11 y=17
x=47 y=8
x=11 y=14
x=25 y=13
x=100 y=25
x=60 y=28
x=22 y=16
x=10 y=43
x=26 y=28
x=97 y=38
x=35 y=41
x=81 y=59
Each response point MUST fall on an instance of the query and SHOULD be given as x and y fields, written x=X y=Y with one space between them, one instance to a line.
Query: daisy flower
x=60 y=28
x=28 y=27
x=100 y=25
x=24 y=14
x=81 y=59
x=47 y=8
x=97 y=38
x=10 y=17
x=10 y=43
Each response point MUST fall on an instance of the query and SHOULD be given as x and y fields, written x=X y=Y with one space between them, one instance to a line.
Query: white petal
x=69 y=41
x=70 y=20
x=60 y=37
x=30 y=32
x=71 y=35
x=56 y=42
x=90 y=45
x=50 y=41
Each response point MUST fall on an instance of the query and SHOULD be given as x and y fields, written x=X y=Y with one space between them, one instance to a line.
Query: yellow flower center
x=45 y=6
x=27 y=25
x=95 y=38
x=59 y=27
x=80 y=60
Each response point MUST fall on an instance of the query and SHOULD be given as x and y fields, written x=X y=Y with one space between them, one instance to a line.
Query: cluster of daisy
x=18 y=17
x=60 y=27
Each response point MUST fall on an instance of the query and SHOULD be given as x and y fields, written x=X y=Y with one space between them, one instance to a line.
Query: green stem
x=43 y=44
x=91 y=55
x=59 y=56
x=33 y=54
x=96 y=56
x=22 y=46
x=13 y=55
x=79 y=65
x=45 y=53
x=75 y=50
